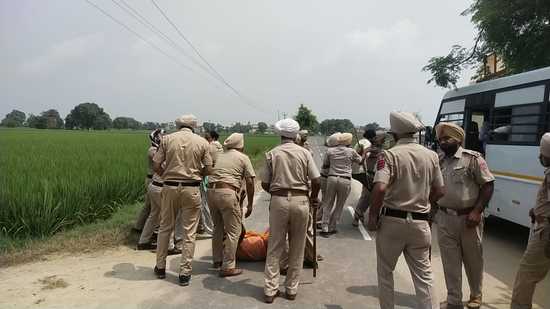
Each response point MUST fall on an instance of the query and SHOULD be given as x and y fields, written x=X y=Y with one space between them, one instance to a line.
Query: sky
x=343 y=59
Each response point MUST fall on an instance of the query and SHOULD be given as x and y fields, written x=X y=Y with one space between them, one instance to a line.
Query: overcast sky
x=343 y=59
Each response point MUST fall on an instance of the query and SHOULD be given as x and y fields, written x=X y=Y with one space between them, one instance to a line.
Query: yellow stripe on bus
x=520 y=176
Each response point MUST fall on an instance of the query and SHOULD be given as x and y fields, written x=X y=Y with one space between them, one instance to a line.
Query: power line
x=140 y=18
x=139 y=36
x=203 y=59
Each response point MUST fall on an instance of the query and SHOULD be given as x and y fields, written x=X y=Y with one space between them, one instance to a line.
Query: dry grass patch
x=52 y=282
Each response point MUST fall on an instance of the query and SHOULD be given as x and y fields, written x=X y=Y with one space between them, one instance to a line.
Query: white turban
x=404 y=123
x=345 y=139
x=287 y=128
x=333 y=139
x=545 y=145
x=187 y=121
x=234 y=141
x=364 y=143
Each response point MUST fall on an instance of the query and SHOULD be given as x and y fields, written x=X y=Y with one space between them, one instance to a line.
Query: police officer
x=152 y=196
x=187 y=160
x=339 y=160
x=289 y=168
x=459 y=217
x=224 y=186
x=370 y=155
x=407 y=179
x=332 y=141
x=535 y=263
x=301 y=139
x=144 y=213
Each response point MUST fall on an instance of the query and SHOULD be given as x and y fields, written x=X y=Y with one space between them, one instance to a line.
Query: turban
x=333 y=139
x=364 y=143
x=234 y=141
x=545 y=145
x=404 y=123
x=451 y=130
x=187 y=121
x=287 y=128
x=345 y=139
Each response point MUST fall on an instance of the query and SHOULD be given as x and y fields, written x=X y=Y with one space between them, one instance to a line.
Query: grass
x=74 y=191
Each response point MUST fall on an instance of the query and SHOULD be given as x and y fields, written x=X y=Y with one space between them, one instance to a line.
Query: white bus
x=512 y=113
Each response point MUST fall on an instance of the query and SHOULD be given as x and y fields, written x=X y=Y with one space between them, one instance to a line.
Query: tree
x=372 y=126
x=262 y=127
x=208 y=126
x=306 y=119
x=240 y=128
x=329 y=126
x=126 y=123
x=518 y=31
x=88 y=116
x=15 y=118
x=49 y=119
x=149 y=125
x=37 y=122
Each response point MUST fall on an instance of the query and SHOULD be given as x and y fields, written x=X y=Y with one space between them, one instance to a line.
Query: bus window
x=516 y=124
x=455 y=118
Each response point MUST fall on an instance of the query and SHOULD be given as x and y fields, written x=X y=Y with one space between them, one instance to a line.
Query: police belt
x=390 y=212
x=456 y=212
x=150 y=176
x=222 y=185
x=156 y=183
x=289 y=192
x=324 y=176
x=345 y=177
x=182 y=183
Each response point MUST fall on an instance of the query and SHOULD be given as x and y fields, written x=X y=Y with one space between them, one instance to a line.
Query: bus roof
x=504 y=82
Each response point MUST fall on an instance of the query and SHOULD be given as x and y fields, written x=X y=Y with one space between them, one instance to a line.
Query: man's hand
x=474 y=218
x=248 y=211
x=532 y=215
x=314 y=202
x=372 y=223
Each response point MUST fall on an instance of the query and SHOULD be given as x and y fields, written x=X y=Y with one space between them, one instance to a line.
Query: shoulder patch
x=381 y=163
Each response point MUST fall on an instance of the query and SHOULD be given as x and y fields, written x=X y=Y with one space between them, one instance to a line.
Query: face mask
x=544 y=161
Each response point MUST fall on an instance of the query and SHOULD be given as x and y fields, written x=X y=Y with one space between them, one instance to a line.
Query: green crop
x=51 y=180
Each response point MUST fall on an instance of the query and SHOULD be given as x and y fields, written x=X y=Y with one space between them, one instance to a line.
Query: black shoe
x=184 y=280
x=161 y=273
x=269 y=299
x=325 y=234
x=290 y=296
x=146 y=246
x=309 y=264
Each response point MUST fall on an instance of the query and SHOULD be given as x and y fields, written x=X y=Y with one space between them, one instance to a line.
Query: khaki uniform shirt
x=185 y=154
x=215 y=149
x=289 y=166
x=464 y=174
x=409 y=170
x=542 y=208
x=150 y=154
x=373 y=154
x=339 y=160
x=231 y=168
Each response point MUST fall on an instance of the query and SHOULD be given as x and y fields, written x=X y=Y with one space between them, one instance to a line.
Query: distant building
x=493 y=67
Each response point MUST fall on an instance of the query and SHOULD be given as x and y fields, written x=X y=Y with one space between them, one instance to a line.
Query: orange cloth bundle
x=253 y=247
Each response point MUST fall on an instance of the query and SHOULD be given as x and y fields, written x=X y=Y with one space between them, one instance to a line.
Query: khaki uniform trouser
x=319 y=217
x=188 y=201
x=396 y=236
x=144 y=213
x=337 y=190
x=227 y=218
x=533 y=268
x=460 y=245
x=288 y=216
x=309 y=250
x=363 y=202
x=154 y=194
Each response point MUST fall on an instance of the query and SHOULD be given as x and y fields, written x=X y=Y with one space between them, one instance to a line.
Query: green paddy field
x=52 y=180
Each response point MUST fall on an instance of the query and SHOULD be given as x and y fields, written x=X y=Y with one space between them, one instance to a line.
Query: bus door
x=477 y=112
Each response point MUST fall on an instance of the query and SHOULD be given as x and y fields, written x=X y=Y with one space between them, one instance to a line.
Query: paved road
x=347 y=278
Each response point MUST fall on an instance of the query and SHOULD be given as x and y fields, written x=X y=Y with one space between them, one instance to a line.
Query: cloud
x=377 y=39
x=62 y=54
